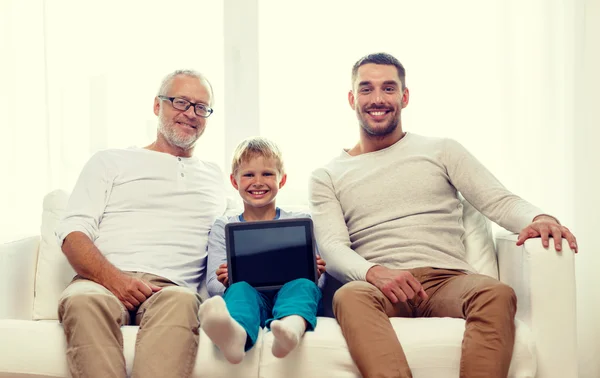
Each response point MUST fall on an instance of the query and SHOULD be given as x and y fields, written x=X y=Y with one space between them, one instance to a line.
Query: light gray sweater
x=399 y=207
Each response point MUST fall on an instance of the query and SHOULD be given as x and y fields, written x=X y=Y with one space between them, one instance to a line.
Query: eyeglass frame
x=209 y=110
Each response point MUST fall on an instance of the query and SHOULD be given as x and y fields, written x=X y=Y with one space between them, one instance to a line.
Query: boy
x=232 y=321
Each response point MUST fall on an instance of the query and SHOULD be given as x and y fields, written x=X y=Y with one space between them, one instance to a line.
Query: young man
x=232 y=322
x=135 y=231
x=388 y=220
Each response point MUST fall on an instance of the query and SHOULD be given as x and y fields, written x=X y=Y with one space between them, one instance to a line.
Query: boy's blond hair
x=256 y=146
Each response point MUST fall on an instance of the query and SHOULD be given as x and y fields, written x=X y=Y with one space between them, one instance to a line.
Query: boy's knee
x=241 y=286
x=302 y=283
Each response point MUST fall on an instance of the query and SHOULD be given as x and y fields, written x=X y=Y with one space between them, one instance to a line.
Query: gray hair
x=165 y=86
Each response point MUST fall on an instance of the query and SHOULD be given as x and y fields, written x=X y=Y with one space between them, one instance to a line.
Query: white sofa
x=33 y=273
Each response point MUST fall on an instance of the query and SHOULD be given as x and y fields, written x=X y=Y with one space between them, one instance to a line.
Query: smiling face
x=378 y=98
x=182 y=128
x=258 y=180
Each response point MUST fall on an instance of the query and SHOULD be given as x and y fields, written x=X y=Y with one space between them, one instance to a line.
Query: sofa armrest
x=544 y=281
x=18 y=260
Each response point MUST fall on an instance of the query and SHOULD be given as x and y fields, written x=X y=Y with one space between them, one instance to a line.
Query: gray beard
x=175 y=139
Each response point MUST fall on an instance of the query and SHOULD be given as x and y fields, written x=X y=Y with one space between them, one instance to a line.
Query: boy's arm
x=331 y=232
x=321 y=281
x=217 y=255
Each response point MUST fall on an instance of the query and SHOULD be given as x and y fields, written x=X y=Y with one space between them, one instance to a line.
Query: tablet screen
x=269 y=254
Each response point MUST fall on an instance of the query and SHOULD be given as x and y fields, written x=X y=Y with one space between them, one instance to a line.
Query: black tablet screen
x=266 y=257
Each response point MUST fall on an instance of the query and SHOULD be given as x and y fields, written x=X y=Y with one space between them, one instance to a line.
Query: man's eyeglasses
x=182 y=104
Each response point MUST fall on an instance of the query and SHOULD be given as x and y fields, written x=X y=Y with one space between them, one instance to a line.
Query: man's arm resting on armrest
x=546 y=226
x=90 y=263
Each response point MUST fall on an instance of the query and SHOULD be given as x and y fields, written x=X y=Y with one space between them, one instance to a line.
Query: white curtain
x=78 y=77
x=81 y=76
x=23 y=117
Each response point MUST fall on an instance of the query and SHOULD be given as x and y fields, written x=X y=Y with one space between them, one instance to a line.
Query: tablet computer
x=268 y=254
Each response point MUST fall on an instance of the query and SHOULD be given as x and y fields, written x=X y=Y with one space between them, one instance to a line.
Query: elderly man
x=388 y=221
x=135 y=231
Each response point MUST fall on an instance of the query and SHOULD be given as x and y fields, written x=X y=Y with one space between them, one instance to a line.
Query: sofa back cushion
x=54 y=273
x=480 y=251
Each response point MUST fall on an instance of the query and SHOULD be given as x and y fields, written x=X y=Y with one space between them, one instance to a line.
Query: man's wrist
x=107 y=275
x=545 y=217
x=372 y=272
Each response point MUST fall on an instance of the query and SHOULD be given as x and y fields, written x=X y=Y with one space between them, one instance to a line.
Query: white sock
x=227 y=334
x=287 y=333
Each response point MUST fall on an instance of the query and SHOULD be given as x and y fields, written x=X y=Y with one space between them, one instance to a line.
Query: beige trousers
x=488 y=306
x=167 y=340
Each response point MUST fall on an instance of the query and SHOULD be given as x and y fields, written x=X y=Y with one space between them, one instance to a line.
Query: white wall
x=586 y=136
x=22 y=116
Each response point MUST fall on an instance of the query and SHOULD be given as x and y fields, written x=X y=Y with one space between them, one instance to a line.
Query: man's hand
x=320 y=266
x=131 y=291
x=223 y=275
x=398 y=285
x=545 y=226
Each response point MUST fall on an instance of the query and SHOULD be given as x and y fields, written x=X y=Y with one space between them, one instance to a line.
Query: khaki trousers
x=167 y=340
x=488 y=306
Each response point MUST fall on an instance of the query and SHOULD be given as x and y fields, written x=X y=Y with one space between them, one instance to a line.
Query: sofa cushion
x=38 y=349
x=432 y=347
x=53 y=272
x=480 y=251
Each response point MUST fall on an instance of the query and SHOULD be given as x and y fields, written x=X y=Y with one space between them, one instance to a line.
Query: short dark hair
x=380 y=58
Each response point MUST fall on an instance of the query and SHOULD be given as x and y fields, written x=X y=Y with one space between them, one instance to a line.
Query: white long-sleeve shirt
x=148 y=211
x=398 y=207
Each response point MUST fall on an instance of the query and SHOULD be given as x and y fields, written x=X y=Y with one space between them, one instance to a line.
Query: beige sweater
x=399 y=207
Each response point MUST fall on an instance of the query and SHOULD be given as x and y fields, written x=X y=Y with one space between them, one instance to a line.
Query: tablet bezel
x=277 y=223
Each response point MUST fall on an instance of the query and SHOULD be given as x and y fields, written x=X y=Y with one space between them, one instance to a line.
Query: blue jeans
x=251 y=308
